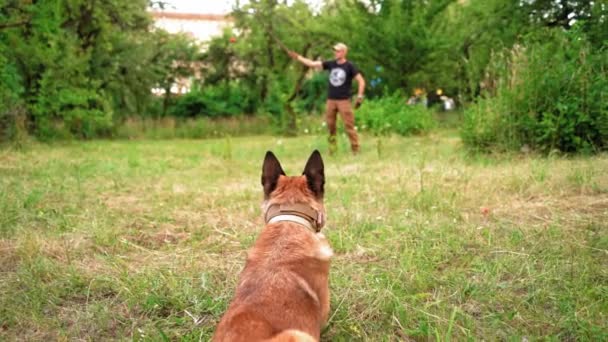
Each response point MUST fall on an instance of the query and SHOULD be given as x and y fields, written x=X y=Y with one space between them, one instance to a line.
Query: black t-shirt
x=340 y=79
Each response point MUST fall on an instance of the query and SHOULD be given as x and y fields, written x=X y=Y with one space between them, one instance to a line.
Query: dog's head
x=295 y=193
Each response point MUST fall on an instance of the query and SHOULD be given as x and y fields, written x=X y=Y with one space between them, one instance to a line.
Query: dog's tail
x=292 y=336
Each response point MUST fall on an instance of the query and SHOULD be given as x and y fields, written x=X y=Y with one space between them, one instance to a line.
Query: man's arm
x=308 y=62
x=361 y=84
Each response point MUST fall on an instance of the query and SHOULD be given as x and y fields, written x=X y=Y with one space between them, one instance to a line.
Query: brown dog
x=283 y=291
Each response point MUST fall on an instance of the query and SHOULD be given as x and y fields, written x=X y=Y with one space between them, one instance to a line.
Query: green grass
x=144 y=240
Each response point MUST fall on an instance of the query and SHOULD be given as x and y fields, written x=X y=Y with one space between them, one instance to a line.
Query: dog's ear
x=271 y=170
x=315 y=174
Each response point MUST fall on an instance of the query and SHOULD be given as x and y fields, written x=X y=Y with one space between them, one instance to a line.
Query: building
x=201 y=27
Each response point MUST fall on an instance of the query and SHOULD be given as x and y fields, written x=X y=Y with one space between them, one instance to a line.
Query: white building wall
x=202 y=27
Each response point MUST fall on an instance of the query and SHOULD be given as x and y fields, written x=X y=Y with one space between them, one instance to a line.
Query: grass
x=199 y=128
x=144 y=240
x=206 y=128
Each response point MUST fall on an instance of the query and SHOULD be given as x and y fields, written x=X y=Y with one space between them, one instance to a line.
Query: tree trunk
x=292 y=123
x=166 y=100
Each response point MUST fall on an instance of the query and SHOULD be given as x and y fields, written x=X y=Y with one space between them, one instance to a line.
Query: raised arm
x=308 y=62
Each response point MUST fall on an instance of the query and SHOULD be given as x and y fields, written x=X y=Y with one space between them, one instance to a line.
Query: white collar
x=292 y=218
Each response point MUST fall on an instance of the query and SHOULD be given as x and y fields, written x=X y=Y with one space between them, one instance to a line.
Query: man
x=341 y=74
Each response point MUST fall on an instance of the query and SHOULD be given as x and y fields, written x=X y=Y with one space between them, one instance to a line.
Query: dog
x=283 y=291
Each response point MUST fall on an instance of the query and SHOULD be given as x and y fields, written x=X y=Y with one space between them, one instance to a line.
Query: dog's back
x=283 y=291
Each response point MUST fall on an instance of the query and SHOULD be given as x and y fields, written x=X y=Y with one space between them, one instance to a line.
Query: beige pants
x=346 y=112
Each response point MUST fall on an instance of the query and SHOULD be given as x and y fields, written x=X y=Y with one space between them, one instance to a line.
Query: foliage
x=10 y=98
x=313 y=94
x=393 y=41
x=77 y=66
x=391 y=114
x=475 y=30
x=413 y=44
x=220 y=60
x=58 y=50
x=550 y=95
x=174 y=59
x=226 y=99
x=265 y=28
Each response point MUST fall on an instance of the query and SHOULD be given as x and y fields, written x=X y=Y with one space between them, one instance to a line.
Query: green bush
x=391 y=114
x=11 y=107
x=220 y=100
x=66 y=108
x=313 y=94
x=550 y=94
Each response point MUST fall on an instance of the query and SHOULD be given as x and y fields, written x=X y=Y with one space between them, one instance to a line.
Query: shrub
x=551 y=94
x=64 y=111
x=391 y=114
x=220 y=100
x=313 y=94
x=11 y=107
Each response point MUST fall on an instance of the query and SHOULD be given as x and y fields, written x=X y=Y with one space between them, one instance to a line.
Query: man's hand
x=293 y=54
x=358 y=102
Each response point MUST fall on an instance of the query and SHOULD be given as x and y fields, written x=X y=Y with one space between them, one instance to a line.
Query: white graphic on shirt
x=337 y=77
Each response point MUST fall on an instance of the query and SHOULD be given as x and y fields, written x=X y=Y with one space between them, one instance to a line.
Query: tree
x=82 y=64
x=264 y=27
x=174 y=57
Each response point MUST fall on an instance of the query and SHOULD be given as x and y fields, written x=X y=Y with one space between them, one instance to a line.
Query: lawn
x=144 y=240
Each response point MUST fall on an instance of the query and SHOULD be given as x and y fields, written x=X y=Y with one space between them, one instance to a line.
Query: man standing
x=341 y=74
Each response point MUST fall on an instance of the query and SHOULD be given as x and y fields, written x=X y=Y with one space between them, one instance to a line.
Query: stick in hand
x=358 y=102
